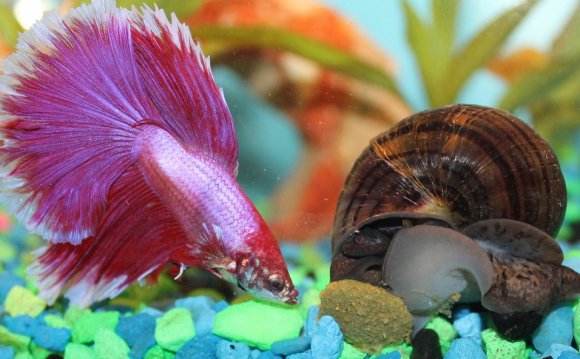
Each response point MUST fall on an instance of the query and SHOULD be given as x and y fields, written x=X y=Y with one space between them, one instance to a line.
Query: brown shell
x=463 y=163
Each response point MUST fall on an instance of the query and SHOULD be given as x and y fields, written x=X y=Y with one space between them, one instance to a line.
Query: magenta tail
x=71 y=101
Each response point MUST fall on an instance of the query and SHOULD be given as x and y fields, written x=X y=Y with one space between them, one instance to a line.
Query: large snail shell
x=458 y=164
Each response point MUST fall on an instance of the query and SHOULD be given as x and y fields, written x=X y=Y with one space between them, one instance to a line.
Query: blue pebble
x=136 y=328
x=469 y=326
x=54 y=339
x=141 y=347
x=465 y=348
x=6 y=352
x=558 y=351
x=391 y=355
x=22 y=324
x=7 y=281
x=460 y=311
x=199 y=347
x=231 y=350
x=155 y=313
x=557 y=327
x=291 y=346
x=327 y=341
x=268 y=355
x=204 y=322
x=305 y=355
x=568 y=355
x=221 y=305
x=196 y=305
x=311 y=324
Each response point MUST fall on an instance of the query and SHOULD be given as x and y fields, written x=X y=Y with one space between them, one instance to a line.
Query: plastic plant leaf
x=181 y=8
x=537 y=84
x=481 y=48
x=557 y=84
x=9 y=26
x=316 y=51
x=566 y=45
x=432 y=43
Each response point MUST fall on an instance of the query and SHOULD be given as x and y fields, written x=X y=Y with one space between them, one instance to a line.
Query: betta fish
x=119 y=149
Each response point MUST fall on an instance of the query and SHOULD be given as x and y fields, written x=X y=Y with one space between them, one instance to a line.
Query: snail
x=459 y=203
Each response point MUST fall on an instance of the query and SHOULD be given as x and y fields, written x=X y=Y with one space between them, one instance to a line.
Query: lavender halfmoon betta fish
x=118 y=148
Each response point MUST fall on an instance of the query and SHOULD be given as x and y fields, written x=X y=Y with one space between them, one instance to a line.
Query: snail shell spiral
x=455 y=166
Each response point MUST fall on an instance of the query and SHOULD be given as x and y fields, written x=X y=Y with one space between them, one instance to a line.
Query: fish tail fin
x=71 y=99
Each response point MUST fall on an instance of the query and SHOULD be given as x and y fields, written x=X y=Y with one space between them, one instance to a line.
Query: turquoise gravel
x=173 y=324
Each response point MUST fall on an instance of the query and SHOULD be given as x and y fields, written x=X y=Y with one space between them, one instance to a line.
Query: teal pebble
x=141 y=348
x=204 y=322
x=311 y=324
x=391 y=355
x=135 y=328
x=568 y=355
x=50 y=338
x=305 y=355
x=6 y=352
x=196 y=305
x=559 y=351
x=231 y=350
x=21 y=324
x=200 y=347
x=268 y=355
x=556 y=328
x=327 y=341
x=465 y=348
x=469 y=326
x=7 y=281
x=291 y=346
x=221 y=305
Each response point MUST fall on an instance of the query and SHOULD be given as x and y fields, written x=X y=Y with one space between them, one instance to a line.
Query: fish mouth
x=292 y=297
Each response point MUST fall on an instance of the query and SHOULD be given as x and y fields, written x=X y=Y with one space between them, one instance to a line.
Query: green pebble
x=444 y=330
x=18 y=342
x=310 y=298
x=157 y=352
x=174 y=329
x=350 y=352
x=297 y=275
x=7 y=252
x=322 y=277
x=78 y=351
x=39 y=352
x=577 y=324
x=109 y=345
x=85 y=327
x=55 y=321
x=23 y=355
x=258 y=323
x=21 y=301
x=498 y=348
x=73 y=313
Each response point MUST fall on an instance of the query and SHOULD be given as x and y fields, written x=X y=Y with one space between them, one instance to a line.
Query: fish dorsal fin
x=71 y=101
x=507 y=237
x=178 y=81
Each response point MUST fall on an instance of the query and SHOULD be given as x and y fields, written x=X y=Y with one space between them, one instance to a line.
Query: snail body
x=475 y=174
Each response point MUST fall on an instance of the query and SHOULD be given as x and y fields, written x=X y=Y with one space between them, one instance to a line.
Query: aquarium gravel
x=207 y=326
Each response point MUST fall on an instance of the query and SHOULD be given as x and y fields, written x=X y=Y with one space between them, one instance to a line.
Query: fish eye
x=275 y=283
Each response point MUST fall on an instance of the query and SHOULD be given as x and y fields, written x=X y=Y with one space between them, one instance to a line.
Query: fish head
x=264 y=282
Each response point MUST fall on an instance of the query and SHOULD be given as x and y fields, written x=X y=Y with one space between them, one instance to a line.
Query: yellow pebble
x=21 y=301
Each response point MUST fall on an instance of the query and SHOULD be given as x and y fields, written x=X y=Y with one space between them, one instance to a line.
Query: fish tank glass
x=289 y=179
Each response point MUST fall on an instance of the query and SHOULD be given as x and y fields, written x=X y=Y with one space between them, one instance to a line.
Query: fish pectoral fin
x=224 y=269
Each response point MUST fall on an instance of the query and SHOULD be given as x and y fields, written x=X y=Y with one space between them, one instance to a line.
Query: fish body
x=119 y=149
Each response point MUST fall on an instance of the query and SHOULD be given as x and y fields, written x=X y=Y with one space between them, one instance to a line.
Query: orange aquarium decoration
x=336 y=114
